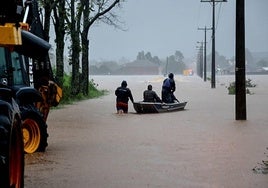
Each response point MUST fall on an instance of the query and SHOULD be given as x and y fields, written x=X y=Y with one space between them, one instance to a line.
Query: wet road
x=203 y=146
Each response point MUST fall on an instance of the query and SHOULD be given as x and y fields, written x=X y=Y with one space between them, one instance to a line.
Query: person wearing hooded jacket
x=123 y=94
x=168 y=89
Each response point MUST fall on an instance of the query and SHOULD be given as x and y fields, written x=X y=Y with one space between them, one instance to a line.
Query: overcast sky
x=164 y=26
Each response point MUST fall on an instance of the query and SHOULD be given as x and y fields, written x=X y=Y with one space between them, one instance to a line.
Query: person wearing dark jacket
x=168 y=88
x=150 y=96
x=123 y=94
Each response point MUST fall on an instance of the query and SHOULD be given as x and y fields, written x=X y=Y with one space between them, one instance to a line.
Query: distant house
x=139 y=67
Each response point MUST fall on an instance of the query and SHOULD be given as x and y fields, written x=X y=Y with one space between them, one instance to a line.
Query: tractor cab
x=13 y=69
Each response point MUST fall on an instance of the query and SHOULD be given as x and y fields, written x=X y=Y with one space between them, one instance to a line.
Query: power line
x=213 y=79
x=205 y=52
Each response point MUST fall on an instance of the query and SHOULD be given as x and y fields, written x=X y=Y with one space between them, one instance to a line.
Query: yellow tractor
x=27 y=88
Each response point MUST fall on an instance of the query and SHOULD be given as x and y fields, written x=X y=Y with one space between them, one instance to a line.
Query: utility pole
x=240 y=68
x=205 y=52
x=167 y=67
x=201 y=58
x=198 y=61
x=213 y=77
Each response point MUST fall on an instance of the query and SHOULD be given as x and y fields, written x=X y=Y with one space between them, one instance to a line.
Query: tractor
x=27 y=88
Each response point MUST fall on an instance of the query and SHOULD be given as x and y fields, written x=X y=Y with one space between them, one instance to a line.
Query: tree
x=221 y=61
x=179 y=56
x=85 y=45
x=58 y=8
x=262 y=63
x=74 y=26
x=148 y=56
x=250 y=63
x=48 y=6
x=93 y=11
x=59 y=27
x=175 y=63
x=70 y=16
x=156 y=60
x=140 y=56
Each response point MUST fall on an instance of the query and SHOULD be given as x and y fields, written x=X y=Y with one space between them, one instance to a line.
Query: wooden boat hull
x=151 y=107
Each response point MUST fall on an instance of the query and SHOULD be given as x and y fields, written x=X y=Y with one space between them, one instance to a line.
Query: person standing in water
x=123 y=94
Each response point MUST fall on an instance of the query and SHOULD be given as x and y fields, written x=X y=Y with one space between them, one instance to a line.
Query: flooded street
x=202 y=146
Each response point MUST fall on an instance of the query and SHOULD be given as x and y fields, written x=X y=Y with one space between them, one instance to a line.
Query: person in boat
x=150 y=96
x=168 y=89
x=123 y=94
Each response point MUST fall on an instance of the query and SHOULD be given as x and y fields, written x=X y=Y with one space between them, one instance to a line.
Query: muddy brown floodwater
x=90 y=146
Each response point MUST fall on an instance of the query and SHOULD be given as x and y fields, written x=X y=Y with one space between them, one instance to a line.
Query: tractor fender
x=28 y=95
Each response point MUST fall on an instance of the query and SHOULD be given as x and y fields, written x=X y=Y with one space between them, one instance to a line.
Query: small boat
x=157 y=107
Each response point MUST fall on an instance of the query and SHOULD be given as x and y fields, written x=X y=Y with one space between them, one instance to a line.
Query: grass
x=68 y=98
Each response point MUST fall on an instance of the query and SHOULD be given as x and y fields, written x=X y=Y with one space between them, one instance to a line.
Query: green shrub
x=249 y=84
x=68 y=98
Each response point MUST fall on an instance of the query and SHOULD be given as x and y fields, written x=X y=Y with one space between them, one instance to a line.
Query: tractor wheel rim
x=31 y=135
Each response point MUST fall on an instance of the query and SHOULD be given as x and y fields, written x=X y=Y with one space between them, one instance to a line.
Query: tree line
x=173 y=63
x=176 y=63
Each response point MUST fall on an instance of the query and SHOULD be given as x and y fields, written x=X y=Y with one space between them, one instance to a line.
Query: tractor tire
x=34 y=130
x=11 y=152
